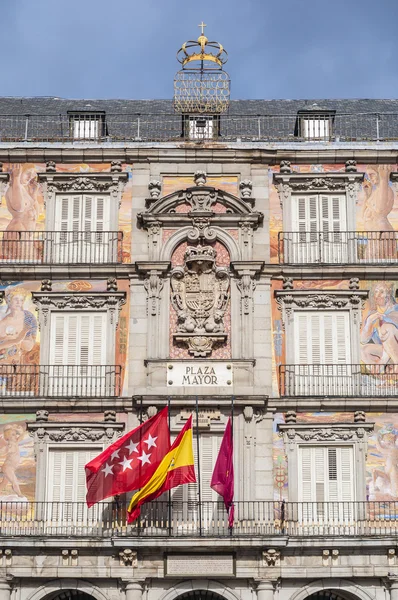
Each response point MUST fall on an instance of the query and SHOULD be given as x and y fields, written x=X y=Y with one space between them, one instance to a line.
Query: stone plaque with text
x=200 y=565
x=191 y=374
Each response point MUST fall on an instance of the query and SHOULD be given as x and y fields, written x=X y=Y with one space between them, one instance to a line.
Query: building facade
x=239 y=264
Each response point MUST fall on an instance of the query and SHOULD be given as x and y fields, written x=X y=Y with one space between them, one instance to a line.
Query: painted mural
x=22 y=208
x=17 y=462
x=377 y=205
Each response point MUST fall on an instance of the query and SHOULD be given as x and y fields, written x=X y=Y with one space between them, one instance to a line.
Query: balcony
x=59 y=381
x=170 y=127
x=339 y=380
x=61 y=247
x=333 y=248
x=204 y=519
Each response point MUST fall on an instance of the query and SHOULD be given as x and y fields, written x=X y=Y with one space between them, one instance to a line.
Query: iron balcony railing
x=347 y=247
x=205 y=519
x=172 y=127
x=94 y=381
x=339 y=380
x=61 y=247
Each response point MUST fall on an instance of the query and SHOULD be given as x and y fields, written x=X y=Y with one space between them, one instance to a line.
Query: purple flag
x=222 y=480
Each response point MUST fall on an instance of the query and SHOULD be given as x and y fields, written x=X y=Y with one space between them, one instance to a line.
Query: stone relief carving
x=112 y=302
x=200 y=294
x=246 y=285
x=75 y=434
x=246 y=187
x=154 y=284
x=300 y=432
x=205 y=417
x=271 y=557
x=128 y=557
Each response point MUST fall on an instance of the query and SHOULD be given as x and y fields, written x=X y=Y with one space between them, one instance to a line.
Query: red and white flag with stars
x=130 y=462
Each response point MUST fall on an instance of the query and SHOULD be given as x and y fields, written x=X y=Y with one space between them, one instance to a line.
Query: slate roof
x=55 y=106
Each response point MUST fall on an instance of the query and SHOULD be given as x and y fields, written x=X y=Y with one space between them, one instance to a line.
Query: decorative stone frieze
x=111 y=182
x=200 y=296
x=292 y=300
x=128 y=557
x=289 y=182
x=112 y=302
x=75 y=432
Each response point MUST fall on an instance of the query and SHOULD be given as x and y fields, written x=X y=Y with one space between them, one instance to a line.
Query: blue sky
x=127 y=48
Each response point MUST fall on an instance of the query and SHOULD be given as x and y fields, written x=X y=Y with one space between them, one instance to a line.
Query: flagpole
x=169 y=501
x=232 y=443
x=198 y=460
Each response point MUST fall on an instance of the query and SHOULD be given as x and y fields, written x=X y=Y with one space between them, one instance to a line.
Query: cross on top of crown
x=202 y=25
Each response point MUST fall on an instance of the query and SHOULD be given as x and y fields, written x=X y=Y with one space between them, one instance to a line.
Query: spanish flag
x=176 y=468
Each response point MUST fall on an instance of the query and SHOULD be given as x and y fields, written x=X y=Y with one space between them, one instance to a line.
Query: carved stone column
x=133 y=590
x=246 y=284
x=153 y=274
x=5 y=589
x=265 y=590
x=394 y=589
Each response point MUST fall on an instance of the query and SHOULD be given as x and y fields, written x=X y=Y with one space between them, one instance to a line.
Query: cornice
x=324 y=432
x=68 y=178
x=252 y=267
x=317 y=181
x=158 y=267
x=110 y=301
x=75 y=431
x=233 y=153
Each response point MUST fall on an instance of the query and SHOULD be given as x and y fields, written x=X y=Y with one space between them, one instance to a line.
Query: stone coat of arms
x=200 y=296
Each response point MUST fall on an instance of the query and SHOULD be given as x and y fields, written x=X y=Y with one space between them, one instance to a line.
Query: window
x=87 y=126
x=315 y=126
x=185 y=498
x=326 y=474
x=82 y=224
x=78 y=354
x=322 y=353
x=66 y=490
x=201 y=127
x=320 y=219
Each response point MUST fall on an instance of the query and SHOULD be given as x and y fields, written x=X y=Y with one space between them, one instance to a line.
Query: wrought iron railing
x=343 y=247
x=165 y=127
x=61 y=247
x=94 y=381
x=339 y=380
x=204 y=519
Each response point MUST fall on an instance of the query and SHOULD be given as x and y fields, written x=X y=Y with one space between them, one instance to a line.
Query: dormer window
x=201 y=127
x=315 y=125
x=87 y=125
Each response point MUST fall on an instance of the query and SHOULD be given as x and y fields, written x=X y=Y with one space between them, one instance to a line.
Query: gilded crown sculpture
x=201 y=86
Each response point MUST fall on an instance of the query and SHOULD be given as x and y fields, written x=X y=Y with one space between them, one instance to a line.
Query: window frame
x=87 y=118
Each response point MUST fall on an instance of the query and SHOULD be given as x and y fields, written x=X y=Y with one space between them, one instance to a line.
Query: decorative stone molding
x=206 y=418
x=271 y=557
x=248 y=413
x=391 y=557
x=116 y=166
x=154 y=284
x=291 y=416
x=289 y=182
x=69 y=558
x=350 y=434
x=354 y=283
x=246 y=188
x=351 y=166
x=336 y=432
x=111 y=284
x=128 y=557
x=154 y=188
x=46 y=285
x=111 y=183
x=200 y=296
x=51 y=166
x=200 y=178
x=75 y=432
x=359 y=416
x=292 y=300
x=110 y=416
x=112 y=302
x=285 y=166
x=42 y=416
x=246 y=285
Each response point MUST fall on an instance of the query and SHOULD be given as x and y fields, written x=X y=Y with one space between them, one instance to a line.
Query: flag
x=130 y=462
x=176 y=468
x=222 y=480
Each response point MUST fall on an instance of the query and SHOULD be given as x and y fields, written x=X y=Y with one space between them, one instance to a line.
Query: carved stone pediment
x=51 y=431
x=112 y=302
x=200 y=295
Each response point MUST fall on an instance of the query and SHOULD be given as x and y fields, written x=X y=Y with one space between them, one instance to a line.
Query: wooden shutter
x=78 y=338
x=68 y=213
x=305 y=214
x=66 y=478
x=326 y=474
x=333 y=211
x=322 y=337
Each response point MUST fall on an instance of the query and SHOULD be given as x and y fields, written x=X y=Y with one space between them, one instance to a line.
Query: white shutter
x=68 y=213
x=333 y=210
x=326 y=474
x=322 y=337
x=305 y=213
x=209 y=446
x=78 y=338
x=66 y=480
